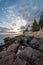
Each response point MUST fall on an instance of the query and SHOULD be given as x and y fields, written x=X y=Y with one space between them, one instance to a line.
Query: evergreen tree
x=41 y=21
x=35 y=26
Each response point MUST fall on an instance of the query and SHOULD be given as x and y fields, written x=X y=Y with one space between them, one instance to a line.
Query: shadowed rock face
x=23 y=50
x=34 y=43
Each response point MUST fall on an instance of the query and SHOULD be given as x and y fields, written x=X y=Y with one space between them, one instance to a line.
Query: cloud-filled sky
x=17 y=13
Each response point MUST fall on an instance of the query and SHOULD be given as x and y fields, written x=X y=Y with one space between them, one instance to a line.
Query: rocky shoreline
x=22 y=50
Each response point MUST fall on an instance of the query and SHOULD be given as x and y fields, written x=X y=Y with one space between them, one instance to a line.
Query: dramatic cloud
x=17 y=13
x=4 y=29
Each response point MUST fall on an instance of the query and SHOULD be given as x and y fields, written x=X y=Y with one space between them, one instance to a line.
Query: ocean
x=2 y=36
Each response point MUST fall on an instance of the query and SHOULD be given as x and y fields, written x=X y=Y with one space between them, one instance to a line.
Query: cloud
x=13 y=21
x=20 y=13
x=9 y=11
x=1 y=0
x=35 y=7
x=0 y=22
x=14 y=24
x=2 y=29
x=17 y=23
x=26 y=13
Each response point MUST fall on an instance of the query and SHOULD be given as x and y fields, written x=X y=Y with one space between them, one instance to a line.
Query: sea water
x=2 y=36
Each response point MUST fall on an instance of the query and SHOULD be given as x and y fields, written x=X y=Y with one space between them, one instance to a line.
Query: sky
x=17 y=13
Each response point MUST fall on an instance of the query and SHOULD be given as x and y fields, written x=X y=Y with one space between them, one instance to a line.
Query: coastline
x=26 y=48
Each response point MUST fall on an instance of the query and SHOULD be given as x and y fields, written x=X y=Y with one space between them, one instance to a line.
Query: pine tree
x=35 y=26
x=41 y=21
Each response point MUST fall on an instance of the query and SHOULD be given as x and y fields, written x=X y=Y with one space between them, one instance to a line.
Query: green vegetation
x=41 y=21
x=37 y=26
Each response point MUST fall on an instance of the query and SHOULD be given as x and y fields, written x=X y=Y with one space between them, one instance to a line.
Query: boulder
x=7 y=39
x=0 y=56
x=41 y=48
x=38 y=62
x=19 y=61
x=29 y=37
x=18 y=39
x=18 y=52
x=13 y=48
x=22 y=47
x=26 y=53
x=3 y=53
x=38 y=54
x=34 y=43
x=7 y=44
x=7 y=60
x=41 y=40
x=37 y=58
x=23 y=42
